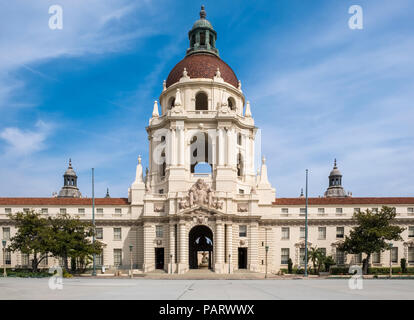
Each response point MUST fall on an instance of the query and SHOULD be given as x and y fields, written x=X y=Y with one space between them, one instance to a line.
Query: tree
x=314 y=256
x=32 y=237
x=328 y=262
x=372 y=232
x=71 y=238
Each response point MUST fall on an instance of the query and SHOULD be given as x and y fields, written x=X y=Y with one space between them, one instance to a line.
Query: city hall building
x=178 y=217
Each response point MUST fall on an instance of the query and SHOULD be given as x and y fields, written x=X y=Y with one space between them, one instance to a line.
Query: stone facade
x=177 y=217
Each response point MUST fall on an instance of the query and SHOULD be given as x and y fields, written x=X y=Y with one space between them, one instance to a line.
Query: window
x=118 y=211
x=376 y=257
x=231 y=105
x=285 y=256
x=241 y=191
x=99 y=211
x=285 y=233
x=239 y=139
x=302 y=210
x=7 y=210
x=99 y=233
x=357 y=210
x=358 y=258
x=239 y=165
x=201 y=101
x=302 y=256
x=340 y=232
x=81 y=210
x=202 y=38
x=25 y=259
x=394 y=254
x=243 y=231
x=321 y=210
x=339 y=210
x=285 y=210
x=302 y=233
x=99 y=260
x=7 y=256
x=161 y=191
x=410 y=210
x=6 y=233
x=159 y=231
x=340 y=257
x=117 y=257
x=410 y=254
x=171 y=104
x=411 y=232
x=62 y=210
x=44 y=210
x=117 y=234
x=321 y=233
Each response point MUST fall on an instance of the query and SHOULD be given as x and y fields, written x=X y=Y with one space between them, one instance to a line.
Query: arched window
x=231 y=104
x=239 y=139
x=239 y=165
x=200 y=149
x=171 y=103
x=163 y=166
x=202 y=38
x=201 y=101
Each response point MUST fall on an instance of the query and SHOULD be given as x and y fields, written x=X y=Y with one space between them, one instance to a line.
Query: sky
x=318 y=89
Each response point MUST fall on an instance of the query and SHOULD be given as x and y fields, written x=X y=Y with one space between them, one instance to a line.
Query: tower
x=70 y=184
x=335 y=189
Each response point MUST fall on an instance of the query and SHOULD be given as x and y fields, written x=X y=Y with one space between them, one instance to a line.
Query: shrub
x=290 y=266
x=339 y=270
x=403 y=264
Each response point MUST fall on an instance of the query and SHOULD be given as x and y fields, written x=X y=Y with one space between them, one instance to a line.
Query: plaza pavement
x=224 y=289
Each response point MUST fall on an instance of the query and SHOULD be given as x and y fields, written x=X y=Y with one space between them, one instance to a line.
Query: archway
x=200 y=247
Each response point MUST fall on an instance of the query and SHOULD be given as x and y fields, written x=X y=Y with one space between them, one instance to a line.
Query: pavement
x=224 y=289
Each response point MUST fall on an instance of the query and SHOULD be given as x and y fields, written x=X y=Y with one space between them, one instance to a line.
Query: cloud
x=25 y=142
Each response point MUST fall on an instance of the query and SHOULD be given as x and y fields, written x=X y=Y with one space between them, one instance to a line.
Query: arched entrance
x=200 y=247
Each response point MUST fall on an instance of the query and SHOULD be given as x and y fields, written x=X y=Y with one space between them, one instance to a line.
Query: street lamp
x=267 y=250
x=4 y=242
x=391 y=245
x=130 y=255
x=171 y=263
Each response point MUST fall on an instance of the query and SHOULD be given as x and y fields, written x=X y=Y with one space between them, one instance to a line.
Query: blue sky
x=318 y=90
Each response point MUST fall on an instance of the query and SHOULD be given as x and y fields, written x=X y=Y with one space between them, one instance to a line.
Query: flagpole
x=306 y=227
x=93 y=221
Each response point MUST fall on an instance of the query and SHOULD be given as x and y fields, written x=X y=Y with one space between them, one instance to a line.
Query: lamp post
x=4 y=242
x=130 y=256
x=391 y=245
x=267 y=250
x=229 y=263
x=171 y=263
x=93 y=221
x=306 y=227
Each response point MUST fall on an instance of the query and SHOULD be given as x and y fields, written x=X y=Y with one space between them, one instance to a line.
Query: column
x=172 y=253
x=229 y=245
x=219 y=247
x=183 y=250
x=253 y=250
x=181 y=145
x=149 y=252
x=221 y=148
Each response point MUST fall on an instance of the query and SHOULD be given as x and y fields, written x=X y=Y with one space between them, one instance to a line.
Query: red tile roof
x=202 y=66
x=345 y=201
x=62 y=201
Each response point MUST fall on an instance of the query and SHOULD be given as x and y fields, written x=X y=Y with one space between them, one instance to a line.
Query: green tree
x=32 y=236
x=372 y=232
x=317 y=257
x=71 y=238
x=328 y=262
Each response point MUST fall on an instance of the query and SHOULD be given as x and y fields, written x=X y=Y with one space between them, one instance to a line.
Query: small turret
x=70 y=184
x=335 y=189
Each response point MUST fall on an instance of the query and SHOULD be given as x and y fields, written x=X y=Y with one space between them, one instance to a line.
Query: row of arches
x=201 y=102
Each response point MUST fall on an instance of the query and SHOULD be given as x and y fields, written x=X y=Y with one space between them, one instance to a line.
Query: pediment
x=201 y=210
x=409 y=243
x=301 y=244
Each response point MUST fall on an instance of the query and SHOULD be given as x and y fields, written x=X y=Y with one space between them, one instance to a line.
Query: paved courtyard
x=141 y=289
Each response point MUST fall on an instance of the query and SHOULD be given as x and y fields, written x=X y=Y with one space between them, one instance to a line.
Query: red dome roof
x=202 y=66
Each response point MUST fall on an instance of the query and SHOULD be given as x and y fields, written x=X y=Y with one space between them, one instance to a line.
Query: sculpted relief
x=200 y=194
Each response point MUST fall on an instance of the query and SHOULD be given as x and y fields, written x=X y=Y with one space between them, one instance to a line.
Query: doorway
x=242 y=258
x=159 y=258
x=200 y=247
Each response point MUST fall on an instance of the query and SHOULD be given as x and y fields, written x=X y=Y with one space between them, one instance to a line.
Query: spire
x=248 y=112
x=202 y=36
x=155 y=113
x=264 y=181
x=138 y=175
x=70 y=163
x=335 y=167
x=301 y=193
x=107 y=193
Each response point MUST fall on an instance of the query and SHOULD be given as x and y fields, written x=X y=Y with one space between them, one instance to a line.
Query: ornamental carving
x=200 y=194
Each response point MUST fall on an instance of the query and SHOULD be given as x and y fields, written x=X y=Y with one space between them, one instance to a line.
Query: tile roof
x=345 y=201
x=62 y=201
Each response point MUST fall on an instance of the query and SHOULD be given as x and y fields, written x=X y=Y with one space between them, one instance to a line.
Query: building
x=201 y=203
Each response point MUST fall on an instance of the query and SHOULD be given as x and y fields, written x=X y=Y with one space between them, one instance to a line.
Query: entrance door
x=242 y=258
x=159 y=258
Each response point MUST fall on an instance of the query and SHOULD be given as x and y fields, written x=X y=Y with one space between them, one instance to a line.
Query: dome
x=202 y=23
x=335 y=171
x=202 y=66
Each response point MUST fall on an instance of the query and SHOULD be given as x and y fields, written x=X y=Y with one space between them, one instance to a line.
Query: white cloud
x=25 y=142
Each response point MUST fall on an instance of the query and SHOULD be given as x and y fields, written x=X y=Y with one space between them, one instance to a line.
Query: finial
x=139 y=159
x=70 y=163
x=248 y=112
x=164 y=85
x=335 y=163
x=203 y=13
x=185 y=73
x=240 y=85
x=107 y=193
x=155 y=113
x=301 y=193
x=218 y=73
x=263 y=160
